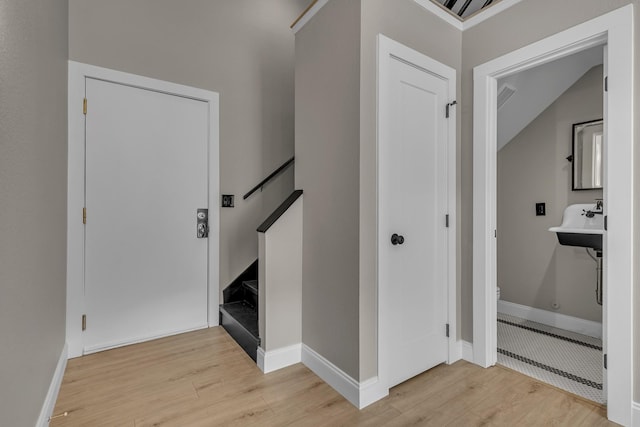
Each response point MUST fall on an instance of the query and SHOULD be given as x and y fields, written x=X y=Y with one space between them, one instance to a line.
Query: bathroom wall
x=242 y=49
x=33 y=202
x=533 y=268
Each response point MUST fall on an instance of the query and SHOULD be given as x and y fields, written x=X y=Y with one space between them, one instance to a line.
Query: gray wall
x=533 y=268
x=33 y=196
x=408 y=23
x=518 y=26
x=242 y=49
x=327 y=76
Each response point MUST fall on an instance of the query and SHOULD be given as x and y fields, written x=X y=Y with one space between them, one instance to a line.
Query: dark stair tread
x=241 y=322
x=244 y=315
x=251 y=286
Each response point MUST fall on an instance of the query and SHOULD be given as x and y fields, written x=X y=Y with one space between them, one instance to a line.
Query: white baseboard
x=562 y=321
x=371 y=391
x=332 y=375
x=467 y=351
x=635 y=416
x=54 y=388
x=273 y=360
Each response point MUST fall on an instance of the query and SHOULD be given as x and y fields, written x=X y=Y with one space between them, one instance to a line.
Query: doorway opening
x=614 y=30
x=549 y=319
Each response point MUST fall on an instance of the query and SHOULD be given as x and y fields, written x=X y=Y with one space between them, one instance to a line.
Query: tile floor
x=567 y=360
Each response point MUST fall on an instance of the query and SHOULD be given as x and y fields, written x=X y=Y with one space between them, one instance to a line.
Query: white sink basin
x=577 y=229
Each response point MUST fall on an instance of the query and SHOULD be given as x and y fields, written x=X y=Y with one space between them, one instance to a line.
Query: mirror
x=587 y=155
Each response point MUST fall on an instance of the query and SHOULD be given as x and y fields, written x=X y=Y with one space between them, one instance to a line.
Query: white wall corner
x=557 y=320
x=54 y=388
x=269 y=361
x=635 y=416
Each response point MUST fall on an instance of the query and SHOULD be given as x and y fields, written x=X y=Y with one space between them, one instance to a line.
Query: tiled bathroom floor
x=565 y=359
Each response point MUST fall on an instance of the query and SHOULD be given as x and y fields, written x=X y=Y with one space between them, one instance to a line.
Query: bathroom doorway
x=614 y=30
x=549 y=313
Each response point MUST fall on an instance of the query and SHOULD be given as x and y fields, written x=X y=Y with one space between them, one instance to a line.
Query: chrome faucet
x=597 y=211
x=599 y=204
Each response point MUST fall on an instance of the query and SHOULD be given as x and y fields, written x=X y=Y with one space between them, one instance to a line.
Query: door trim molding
x=386 y=49
x=78 y=72
x=616 y=30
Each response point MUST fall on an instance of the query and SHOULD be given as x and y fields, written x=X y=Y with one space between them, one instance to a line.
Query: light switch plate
x=227 y=200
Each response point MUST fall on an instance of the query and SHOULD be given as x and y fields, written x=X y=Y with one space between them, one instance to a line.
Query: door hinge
x=449 y=105
x=446 y=220
x=84 y=215
x=605 y=361
x=606 y=84
x=84 y=106
x=447 y=330
x=84 y=322
x=606 y=225
x=495 y=234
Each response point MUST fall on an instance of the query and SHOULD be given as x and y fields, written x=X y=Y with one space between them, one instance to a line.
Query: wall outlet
x=541 y=209
x=227 y=200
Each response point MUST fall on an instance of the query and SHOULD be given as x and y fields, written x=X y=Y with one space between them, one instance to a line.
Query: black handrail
x=280 y=210
x=269 y=178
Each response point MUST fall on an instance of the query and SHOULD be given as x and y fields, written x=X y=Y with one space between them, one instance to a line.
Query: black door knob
x=397 y=239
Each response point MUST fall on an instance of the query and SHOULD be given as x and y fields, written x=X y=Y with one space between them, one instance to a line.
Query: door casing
x=615 y=29
x=388 y=48
x=78 y=72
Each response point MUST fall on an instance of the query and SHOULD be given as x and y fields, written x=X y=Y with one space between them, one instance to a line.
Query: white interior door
x=413 y=206
x=146 y=176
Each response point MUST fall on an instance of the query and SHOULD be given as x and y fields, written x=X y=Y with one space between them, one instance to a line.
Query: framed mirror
x=587 y=155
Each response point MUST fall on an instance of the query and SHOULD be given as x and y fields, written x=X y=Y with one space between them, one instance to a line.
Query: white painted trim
x=635 y=408
x=75 y=201
x=371 y=391
x=487 y=13
x=273 y=360
x=386 y=48
x=472 y=21
x=307 y=16
x=52 y=394
x=332 y=375
x=550 y=318
x=467 y=351
x=441 y=13
x=359 y=395
x=162 y=334
x=616 y=28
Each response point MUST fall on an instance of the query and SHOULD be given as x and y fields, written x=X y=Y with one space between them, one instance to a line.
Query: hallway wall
x=33 y=202
x=241 y=49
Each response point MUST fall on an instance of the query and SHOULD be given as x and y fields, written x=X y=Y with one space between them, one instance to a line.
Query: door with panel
x=146 y=172
x=413 y=197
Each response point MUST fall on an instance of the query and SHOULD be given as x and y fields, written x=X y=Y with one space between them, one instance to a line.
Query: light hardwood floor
x=203 y=378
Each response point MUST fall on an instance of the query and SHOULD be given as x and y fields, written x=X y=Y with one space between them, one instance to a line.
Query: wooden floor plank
x=203 y=378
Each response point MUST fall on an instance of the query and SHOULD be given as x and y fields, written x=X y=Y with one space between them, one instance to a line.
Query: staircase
x=239 y=312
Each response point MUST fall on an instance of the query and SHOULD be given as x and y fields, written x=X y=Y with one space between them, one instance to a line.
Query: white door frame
x=615 y=29
x=387 y=50
x=76 y=187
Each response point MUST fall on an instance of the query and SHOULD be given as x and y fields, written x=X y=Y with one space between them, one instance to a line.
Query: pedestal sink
x=582 y=225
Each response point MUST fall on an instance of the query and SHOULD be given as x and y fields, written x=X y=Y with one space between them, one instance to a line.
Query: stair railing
x=270 y=177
